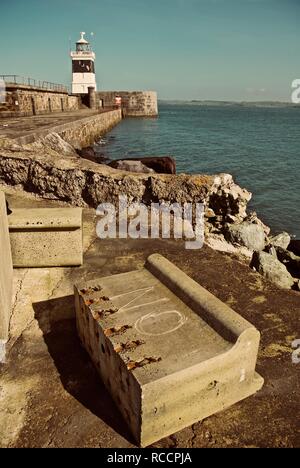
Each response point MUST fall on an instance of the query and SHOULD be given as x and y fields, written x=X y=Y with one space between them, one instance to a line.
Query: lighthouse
x=83 y=67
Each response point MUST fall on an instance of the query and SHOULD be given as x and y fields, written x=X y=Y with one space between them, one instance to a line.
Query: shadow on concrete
x=77 y=373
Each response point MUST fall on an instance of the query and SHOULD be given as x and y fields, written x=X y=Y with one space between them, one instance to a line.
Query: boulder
x=90 y=154
x=56 y=143
x=271 y=250
x=272 y=269
x=159 y=164
x=281 y=240
x=254 y=219
x=131 y=166
x=247 y=234
x=227 y=198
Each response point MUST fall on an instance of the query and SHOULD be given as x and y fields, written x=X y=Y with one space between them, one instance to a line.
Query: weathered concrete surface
x=168 y=351
x=6 y=277
x=80 y=128
x=44 y=237
x=51 y=395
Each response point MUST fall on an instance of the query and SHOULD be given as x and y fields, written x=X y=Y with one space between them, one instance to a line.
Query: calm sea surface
x=259 y=146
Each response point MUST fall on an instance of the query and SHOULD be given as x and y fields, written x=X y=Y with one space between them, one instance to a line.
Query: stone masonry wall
x=25 y=100
x=134 y=103
x=86 y=131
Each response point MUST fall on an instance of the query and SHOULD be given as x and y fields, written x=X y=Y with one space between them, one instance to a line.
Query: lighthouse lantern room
x=83 y=67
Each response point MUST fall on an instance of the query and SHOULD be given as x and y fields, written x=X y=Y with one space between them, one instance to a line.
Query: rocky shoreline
x=53 y=169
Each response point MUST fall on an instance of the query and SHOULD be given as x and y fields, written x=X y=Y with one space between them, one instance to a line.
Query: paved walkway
x=51 y=395
x=23 y=126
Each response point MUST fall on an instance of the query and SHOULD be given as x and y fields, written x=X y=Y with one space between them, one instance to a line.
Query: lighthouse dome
x=82 y=40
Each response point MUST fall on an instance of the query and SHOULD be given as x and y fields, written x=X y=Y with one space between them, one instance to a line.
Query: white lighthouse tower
x=83 y=67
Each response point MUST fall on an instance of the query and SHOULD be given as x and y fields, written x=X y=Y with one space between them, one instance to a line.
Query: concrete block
x=169 y=352
x=6 y=278
x=46 y=237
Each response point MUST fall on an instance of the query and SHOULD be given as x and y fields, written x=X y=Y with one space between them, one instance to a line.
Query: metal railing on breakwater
x=27 y=81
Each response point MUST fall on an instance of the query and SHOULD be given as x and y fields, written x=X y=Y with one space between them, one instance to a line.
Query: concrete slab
x=169 y=352
x=45 y=237
x=6 y=277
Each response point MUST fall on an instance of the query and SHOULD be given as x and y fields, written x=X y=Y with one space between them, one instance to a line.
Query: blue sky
x=184 y=49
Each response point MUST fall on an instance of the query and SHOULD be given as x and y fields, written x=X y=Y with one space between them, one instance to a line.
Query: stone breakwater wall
x=134 y=103
x=85 y=132
x=23 y=100
x=78 y=133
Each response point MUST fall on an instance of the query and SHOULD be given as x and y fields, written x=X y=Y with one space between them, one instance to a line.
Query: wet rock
x=290 y=260
x=131 y=166
x=249 y=235
x=90 y=154
x=281 y=240
x=159 y=164
x=272 y=269
x=294 y=246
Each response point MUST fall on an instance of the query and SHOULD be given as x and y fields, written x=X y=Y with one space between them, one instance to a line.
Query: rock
x=228 y=197
x=131 y=166
x=272 y=269
x=289 y=259
x=281 y=240
x=209 y=213
x=90 y=154
x=38 y=169
x=294 y=246
x=217 y=242
x=253 y=219
x=159 y=164
x=249 y=235
x=271 y=250
x=56 y=143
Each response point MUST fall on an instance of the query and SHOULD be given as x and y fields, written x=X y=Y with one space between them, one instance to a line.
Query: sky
x=184 y=49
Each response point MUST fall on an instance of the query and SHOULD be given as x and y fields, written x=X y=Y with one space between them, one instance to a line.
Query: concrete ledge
x=168 y=351
x=6 y=276
x=222 y=318
x=45 y=237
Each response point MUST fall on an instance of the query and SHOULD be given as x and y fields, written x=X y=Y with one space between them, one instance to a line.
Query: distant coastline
x=196 y=102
